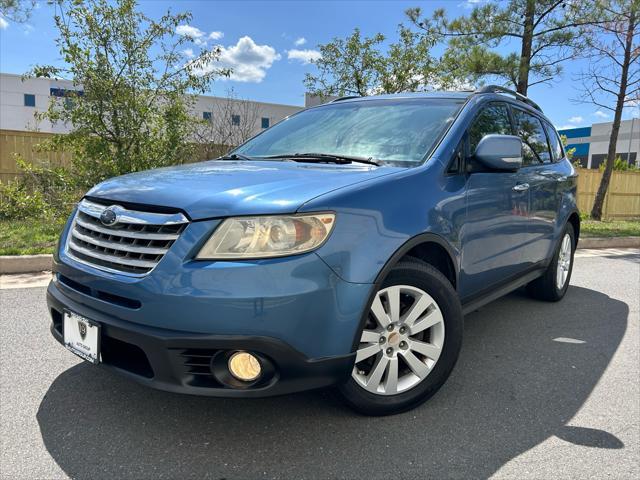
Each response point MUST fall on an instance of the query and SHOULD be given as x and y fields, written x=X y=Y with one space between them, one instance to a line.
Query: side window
x=554 y=143
x=535 y=149
x=494 y=118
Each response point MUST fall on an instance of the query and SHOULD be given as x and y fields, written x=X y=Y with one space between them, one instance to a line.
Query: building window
x=206 y=116
x=265 y=122
x=29 y=100
x=235 y=120
x=64 y=92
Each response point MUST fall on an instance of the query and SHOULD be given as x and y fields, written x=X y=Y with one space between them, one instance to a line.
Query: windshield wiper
x=236 y=156
x=324 y=157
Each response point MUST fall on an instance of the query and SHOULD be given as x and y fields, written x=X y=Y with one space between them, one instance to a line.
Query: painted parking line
x=606 y=252
x=24 y=280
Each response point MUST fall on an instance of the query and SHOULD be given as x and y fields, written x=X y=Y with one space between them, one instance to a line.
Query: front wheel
x=409 y=343
x=553 y=284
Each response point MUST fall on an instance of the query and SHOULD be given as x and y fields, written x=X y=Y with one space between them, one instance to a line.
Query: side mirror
x=500 y=152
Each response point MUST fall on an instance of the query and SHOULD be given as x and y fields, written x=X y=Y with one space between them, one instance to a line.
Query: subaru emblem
x=108 y=216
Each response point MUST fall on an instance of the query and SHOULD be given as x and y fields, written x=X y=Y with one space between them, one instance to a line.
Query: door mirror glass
x=500 y=152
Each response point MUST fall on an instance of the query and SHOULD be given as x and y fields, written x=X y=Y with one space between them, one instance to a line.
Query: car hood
x=224 y=188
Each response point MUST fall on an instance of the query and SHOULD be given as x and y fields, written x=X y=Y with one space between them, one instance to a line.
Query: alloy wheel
x=401 y=342
x=564 y=262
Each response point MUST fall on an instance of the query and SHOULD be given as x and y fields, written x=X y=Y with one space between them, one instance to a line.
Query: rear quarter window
x=557 y=151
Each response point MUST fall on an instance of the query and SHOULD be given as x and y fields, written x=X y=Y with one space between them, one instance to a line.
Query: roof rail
x=348 y=97
x=517 y=96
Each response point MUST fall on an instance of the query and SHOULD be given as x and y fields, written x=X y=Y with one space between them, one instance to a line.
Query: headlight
x=264 y=237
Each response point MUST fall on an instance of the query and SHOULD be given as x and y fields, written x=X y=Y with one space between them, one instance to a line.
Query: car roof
x=451 y=95
x=462 y=95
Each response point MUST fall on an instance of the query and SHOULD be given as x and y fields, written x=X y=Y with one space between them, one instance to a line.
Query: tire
x=425 y=345
x=547 y=286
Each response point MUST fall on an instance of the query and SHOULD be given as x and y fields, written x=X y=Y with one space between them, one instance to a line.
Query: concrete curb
x=10 y=264
x=611 y=242
x=24 y=263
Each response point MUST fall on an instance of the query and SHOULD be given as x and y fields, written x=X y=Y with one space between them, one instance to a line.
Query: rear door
x=540 y=173
x=495 y=231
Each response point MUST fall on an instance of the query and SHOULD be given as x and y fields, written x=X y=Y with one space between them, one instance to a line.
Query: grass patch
x=613 y=228
x=29 y=236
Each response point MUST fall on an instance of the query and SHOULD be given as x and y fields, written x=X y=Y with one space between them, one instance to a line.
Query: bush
x=619 y=165
x=39 y=192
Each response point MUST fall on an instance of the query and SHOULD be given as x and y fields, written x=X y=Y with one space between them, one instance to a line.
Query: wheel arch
x=574 y=220
x=430 y=248
x=423 y=246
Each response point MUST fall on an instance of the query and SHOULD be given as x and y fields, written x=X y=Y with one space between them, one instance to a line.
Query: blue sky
x=269 y=45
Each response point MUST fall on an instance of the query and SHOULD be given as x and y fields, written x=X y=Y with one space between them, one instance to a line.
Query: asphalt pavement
x=540 y=391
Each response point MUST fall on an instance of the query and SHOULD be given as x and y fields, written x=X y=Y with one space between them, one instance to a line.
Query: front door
x=495 y=233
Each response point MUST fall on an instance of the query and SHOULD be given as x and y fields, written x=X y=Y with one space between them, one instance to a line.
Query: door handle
x=521 y=187
x=561 y=178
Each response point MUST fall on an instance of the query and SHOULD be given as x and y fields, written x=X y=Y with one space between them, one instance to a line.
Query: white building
x=592 y=143
x=21 y=99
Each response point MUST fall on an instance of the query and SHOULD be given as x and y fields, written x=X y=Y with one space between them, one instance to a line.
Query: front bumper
x=189 y=363
x=167 y=329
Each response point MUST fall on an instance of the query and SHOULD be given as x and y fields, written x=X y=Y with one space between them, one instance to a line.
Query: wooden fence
x=26 y=144
x=622 y=201
x=623 y=196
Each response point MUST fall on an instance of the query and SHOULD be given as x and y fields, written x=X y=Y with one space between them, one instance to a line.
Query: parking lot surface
x=540 y=391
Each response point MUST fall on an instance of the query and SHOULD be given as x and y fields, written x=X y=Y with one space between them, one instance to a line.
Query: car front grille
x=122 y=240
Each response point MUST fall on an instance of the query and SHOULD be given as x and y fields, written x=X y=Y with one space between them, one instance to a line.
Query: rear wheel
x=553 y=284
x=409 y=343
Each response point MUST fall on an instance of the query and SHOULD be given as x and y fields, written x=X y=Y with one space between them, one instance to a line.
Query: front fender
x=376 y=220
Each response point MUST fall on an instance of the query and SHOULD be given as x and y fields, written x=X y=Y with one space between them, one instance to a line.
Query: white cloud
x=3 y=24
x=248 y=60
x=189 y=31
x=188 y=52
x=471 y=3
x=601 y=114
x=300 y=41
x=305 y=56
x=576 y=119
x=217 y=35
x=194 y=33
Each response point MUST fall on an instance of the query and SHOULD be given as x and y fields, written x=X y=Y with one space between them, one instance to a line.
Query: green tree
x=545 y=33
x=569 y=152
x=129 y=108
x=17 y=10
x=361 y=66
x=612 y=80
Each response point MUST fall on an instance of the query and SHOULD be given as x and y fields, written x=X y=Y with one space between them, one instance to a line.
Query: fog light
x=244 y=366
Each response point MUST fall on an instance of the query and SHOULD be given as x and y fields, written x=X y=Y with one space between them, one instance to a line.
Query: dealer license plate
x=82 y=336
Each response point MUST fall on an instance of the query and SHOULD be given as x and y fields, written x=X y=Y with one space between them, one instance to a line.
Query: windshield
x=398 y=130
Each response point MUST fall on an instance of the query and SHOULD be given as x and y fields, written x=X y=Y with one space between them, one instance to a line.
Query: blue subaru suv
x=340 y=247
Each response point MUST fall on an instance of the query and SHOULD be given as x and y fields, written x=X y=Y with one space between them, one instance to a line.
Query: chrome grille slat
x=132 y=216
x=124 y=247
x=133 y=245
x=111 y=258
x=125 y=233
